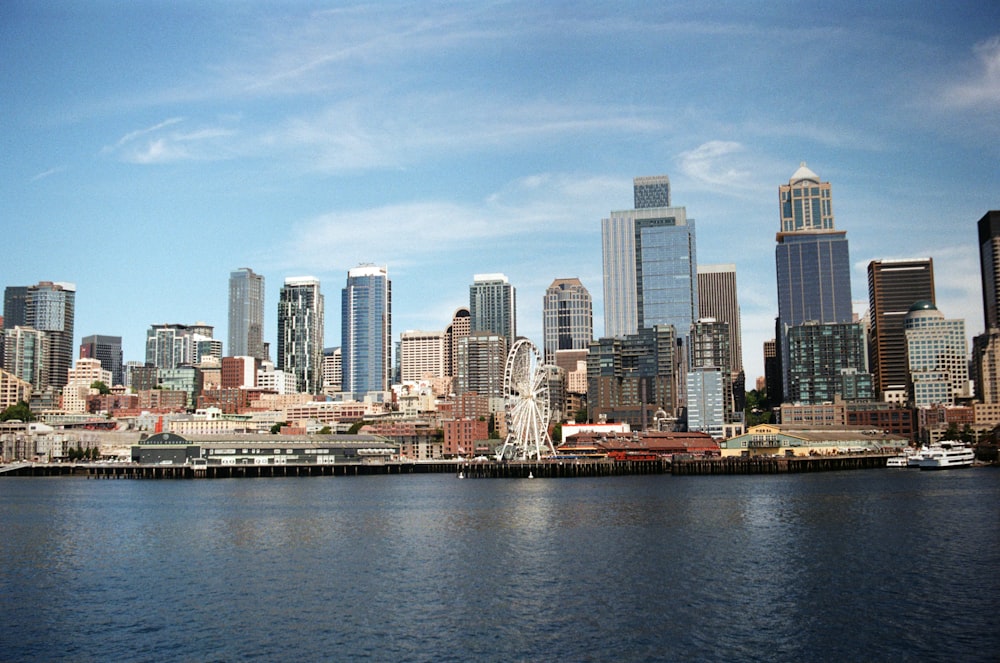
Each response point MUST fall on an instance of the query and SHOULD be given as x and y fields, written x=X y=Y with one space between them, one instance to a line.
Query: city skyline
x=464 y=140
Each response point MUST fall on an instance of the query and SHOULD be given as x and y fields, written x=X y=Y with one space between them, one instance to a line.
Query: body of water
x=850 y=566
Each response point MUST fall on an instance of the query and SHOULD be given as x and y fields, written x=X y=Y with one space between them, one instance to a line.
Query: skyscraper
x=50 y=308
x=460 y=327
x=107 y=350
x=171 y=345
x=827 y=361
x=631 y=379
x=366 y=330
x=567 y=317
x=717 y=299
x=493 y=306
x=812 y=261
x=300 y=333
x=893 y=287
x=246 y=314
x=937 y=354
x=15 y=306
x=422 y=355
x=650 y=264
x=989 y=267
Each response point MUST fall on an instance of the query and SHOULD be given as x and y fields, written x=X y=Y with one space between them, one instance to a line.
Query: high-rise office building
x=650 y=266
x=717 y=300
x=493 y=306
x=171 y=345
x=460 y=327
x=366 y=330
x=989 y=267
x=107 y=350
x=709 y=348
x=15 y=306
x=827 y=361
x=246 y=314
x=893 y=287
x=567 y=317
x=482 y=358
x=812 y=261
x=937 y=355
x=633 y=379
x=50 y=308
x=26 y=355
x=422 y=355
x=300 y=333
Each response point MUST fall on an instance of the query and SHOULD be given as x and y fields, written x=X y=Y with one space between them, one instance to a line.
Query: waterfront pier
x=491 y=469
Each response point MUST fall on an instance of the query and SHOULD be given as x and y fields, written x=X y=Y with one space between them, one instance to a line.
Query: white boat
x=913 y=457
x=896 y=461
x=946 y=455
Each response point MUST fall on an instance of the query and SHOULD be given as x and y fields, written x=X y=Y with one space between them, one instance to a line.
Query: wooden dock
x=769 y=465
x=540 y=469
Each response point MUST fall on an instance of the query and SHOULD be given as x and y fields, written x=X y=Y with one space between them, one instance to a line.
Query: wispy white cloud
x=983 y=86
x=47 y=173
x=416 y=233
x=138 y=133
x=160 y=144
x=395 y=132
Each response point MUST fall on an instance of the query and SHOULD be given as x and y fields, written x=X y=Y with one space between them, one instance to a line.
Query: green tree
x=758 y=409
x=581 y=415
x=325 y=430
x=19 y=411
x=557 y=433
x=276 y=428
x=356 y=426
x=101 y=387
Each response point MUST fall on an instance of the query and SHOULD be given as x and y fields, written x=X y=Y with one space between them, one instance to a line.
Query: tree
x=102 y=388
x=20 y=411
x=557 y=434
x=581 y=415
x=325 y=430
x=758 y=409
x=356 y=426
x=276 y=428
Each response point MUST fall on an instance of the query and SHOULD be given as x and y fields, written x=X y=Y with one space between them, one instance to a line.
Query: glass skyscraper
x=366 y=329
x=812 y=261
x=300 y=333
x=50 y=308
x=650 y=265
x=246 y=314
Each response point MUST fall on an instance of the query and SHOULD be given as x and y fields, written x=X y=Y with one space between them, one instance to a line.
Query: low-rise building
x=785 y=440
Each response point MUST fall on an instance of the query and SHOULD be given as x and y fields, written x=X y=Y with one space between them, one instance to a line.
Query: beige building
x=79 y=378
x=13 y=390
x=784 y=440
x=422 y=355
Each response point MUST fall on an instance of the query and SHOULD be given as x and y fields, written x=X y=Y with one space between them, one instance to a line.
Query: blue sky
x=150 y=148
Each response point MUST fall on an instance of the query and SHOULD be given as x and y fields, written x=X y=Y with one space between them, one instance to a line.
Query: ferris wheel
x=526 y=404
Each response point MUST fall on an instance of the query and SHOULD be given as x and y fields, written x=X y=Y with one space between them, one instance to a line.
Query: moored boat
x=947 y=454
x=896 y=461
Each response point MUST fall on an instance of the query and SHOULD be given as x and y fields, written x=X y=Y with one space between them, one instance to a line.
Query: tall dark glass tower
x=812 y=260
x=893 y=287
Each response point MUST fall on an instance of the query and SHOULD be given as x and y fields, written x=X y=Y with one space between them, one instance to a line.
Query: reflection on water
x=846 y=566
